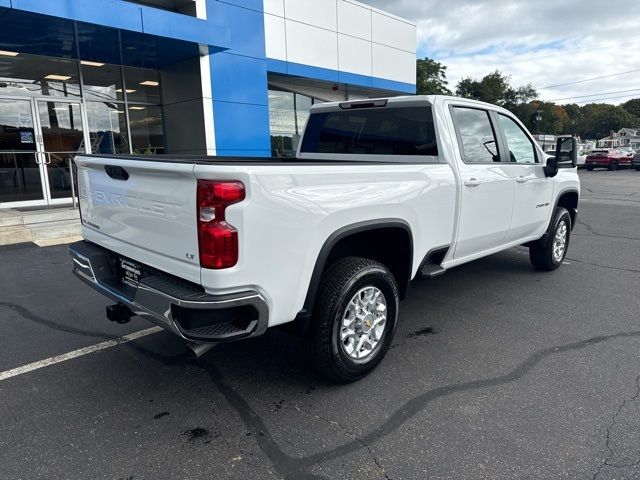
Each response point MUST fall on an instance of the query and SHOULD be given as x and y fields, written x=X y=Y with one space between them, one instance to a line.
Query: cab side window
x=476 y=136
x=521 y=149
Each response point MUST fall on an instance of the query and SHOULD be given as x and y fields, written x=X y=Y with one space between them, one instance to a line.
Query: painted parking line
x=77 y=353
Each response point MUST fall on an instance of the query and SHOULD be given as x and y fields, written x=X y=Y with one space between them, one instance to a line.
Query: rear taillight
x=217 y=240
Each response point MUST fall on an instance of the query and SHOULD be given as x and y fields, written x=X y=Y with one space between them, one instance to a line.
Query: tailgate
x=143 y=210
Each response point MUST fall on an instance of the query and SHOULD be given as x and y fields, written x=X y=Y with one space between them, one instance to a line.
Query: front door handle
x=522 y=179
x=472 y=182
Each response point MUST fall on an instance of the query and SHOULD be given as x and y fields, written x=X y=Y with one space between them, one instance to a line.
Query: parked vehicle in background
x=609 y=159
x=636 y=161
x=582 y=157
x=382 y=191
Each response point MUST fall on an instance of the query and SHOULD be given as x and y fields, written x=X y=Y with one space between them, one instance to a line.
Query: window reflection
x=146 y=129
x=25 y=74
x=101 y=81
x=288 y=114
x=143 y=85
x=107 y=128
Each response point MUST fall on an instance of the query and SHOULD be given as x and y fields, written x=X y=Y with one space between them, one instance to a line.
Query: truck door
x=487 y=190
x=533 y=190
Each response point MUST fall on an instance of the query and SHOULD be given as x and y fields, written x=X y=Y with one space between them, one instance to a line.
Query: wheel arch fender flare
x=333 y=239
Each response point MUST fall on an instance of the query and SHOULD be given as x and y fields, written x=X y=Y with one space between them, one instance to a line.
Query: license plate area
x=130 y=272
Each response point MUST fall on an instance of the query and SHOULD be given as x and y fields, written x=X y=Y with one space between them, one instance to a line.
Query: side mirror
x=567 y=152
x=566 y=156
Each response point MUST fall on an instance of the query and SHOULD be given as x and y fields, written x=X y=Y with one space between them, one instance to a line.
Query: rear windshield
x=372 y=131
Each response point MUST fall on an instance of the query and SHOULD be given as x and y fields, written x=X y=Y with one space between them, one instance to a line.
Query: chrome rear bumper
x=172 y=303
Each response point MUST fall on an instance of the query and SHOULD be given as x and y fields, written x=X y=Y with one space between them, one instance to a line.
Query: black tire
x=339 y=284
x=590 y=169
x=541 y=252
x=613 y=166
x=637 y=168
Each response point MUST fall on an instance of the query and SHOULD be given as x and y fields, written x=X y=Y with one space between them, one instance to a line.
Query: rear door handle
x=472 y=182
x=522 y=179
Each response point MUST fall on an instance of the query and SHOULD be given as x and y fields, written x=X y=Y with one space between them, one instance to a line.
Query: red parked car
x=609 y=159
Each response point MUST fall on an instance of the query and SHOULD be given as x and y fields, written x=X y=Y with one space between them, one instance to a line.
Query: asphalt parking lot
x=497 y=371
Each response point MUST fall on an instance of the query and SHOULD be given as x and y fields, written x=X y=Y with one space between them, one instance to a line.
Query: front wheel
x=590 y=169
x=354 y=319
x=549 y=255
x=613 y=165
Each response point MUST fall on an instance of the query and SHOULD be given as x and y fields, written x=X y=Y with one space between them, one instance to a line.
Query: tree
x=431 y=78
x=496 y=88
x=633 y=107
x=599 y=119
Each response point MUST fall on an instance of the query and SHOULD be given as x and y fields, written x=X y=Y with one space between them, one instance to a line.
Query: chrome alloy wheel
x=559 y=241
x=363 y=322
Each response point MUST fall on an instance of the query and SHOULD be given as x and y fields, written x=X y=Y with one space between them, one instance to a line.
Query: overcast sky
x=541 y=42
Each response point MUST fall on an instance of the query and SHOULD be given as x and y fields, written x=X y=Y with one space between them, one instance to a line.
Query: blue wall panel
x=251 y=4
x=239 y=79
x=242 y=129
x=132 y=17
x=239 y=84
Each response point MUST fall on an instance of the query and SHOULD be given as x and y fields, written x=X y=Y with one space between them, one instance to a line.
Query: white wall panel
x=275 y=41
x=395 y=33
x=311 y=45
x=354 y=19
x=320 y=13
x=342 y=35
x=393 y=64
x=274 y=7
x=354 y=55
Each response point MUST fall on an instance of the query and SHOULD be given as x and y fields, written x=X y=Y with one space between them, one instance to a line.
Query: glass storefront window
x=147 y=134
x=19 y=172
x=288 y=114
x=61 y=124
x=303 y=105
x=107 y=127
x=25 y=74
x=143 y=85
x=101 y=81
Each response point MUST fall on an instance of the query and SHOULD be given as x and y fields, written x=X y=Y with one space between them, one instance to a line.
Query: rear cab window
x=476 y=135
x=393 y=131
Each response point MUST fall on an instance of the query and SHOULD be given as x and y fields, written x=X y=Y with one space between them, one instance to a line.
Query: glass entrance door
x=62 y=137
x=21 y=182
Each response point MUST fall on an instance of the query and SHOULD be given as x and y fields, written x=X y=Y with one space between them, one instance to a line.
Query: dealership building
x=183 y=77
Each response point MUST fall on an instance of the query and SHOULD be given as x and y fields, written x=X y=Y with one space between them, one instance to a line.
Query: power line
x=590 y=79
x=595 y=100
x=565 y=52
x=594 y=95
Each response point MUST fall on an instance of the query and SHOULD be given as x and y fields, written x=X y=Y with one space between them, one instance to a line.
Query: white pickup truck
x=382 y=191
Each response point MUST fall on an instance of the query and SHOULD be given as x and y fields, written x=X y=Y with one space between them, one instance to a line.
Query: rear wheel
x=613 y=165
x=637 y=168
x=549 y=255
x=354 y=319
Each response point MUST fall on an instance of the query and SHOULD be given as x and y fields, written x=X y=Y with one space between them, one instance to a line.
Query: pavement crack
x=608 y=461
x=418 y=404
x=631 y=270
x=33 y=317
x=285 y=465
x=593 y=232
x=352 y=435
x=298 y=468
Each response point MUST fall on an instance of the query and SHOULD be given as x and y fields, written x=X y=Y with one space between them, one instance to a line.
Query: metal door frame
x=40 y=152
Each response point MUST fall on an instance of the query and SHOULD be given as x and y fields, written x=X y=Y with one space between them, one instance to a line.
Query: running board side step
x=431 y=266
x=432 y=271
